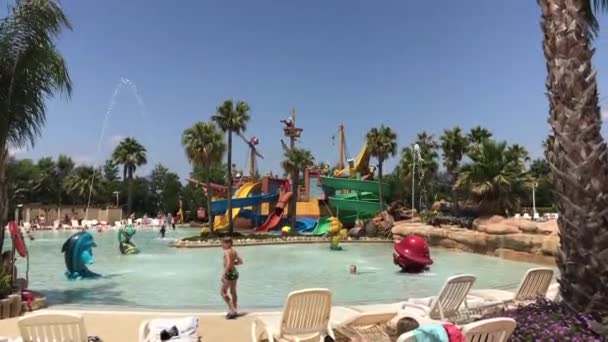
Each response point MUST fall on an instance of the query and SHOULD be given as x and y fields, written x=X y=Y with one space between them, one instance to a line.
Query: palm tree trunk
x=209 y=215
x=130 y=192
x=3 y=193
x=579 y=156
x=229 y=181
x=295 y=178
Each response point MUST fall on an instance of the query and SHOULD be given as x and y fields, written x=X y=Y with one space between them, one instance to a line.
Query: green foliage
x=169 y=184
x=6 y=286
x=131 y=154
x=454 y=146
x=426 y=168
x=204 y=144
x=31 y=68
x=495 y=179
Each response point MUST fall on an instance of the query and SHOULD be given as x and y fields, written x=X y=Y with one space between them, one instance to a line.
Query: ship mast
x=341 y=139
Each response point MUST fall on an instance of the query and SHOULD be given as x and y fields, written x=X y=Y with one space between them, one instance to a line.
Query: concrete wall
x=52 y=213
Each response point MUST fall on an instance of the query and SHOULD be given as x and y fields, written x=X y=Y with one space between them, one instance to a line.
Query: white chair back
x=489 y=330
x=451 y=297
x=535 y=284
x=306 y=312
x=52 y=327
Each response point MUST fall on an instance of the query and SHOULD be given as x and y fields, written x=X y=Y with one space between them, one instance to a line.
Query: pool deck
x=124 y=326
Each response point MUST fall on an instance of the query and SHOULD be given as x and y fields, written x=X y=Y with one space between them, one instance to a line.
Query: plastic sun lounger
x=494 y=329
x=370 y=326
x=535 y=284
x=305 y=317
x=446 y=306
x=50 y=327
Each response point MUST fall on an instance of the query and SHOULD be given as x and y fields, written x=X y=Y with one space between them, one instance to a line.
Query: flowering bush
x=546 y=320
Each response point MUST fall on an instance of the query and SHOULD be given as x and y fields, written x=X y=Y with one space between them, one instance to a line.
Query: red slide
x=275 y=217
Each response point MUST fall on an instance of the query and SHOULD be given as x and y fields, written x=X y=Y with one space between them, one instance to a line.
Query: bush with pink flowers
x=546 y=320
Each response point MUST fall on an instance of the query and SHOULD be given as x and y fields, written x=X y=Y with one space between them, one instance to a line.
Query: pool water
x=173 y=278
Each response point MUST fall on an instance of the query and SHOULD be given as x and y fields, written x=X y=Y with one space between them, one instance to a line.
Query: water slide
x=275 y=217
x=221 y=222
x=322 y=226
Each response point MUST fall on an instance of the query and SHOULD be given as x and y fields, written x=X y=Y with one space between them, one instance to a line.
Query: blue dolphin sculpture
x=78 y=253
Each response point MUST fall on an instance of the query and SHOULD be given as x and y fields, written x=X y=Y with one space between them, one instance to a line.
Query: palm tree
x=519 y=152
x=31 y=70
x=231 y=118
x=495 y=179
x=454 y=145
x=64 y=166
x=295 y=161
x=205 y=147
x=477 y=135
x=578 y=152
x=78 y=183
x=382 y=144
x=131 y=154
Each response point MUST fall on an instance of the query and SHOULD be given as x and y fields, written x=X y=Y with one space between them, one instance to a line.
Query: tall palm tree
x=477 y=135
x=495 y=179
x=382 y=144
x=231 y=118
x=131 y=154
x=295 y=161
x=205 y=147
x=578 y=152
x=519 y=152
x=454 y=146
x=31 y=70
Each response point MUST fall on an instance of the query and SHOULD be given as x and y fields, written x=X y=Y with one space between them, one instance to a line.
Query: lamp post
x=534 y=185
x=415 y=153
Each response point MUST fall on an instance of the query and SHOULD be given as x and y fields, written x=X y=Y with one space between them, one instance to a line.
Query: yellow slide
x=361 y=164
x=221 y=222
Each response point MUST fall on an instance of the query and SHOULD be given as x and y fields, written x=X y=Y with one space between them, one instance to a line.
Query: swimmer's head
x=227 y=242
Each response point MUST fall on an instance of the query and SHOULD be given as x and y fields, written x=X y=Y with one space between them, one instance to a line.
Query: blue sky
x=412 y=65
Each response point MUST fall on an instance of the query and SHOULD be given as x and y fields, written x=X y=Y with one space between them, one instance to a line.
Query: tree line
x=478 y=171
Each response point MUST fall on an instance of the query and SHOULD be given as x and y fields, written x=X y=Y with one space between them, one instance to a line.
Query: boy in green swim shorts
x=230 y=277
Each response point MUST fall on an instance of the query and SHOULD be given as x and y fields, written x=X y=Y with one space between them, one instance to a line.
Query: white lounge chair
x=75 y=224
x=305 y=317
x=369 y=325
x=52 y=327
x=446 y=306
x=535 y=284
x=149 y=330
x=493 y=329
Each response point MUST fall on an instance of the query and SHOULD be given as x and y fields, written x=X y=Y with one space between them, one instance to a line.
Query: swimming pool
x=172 y=278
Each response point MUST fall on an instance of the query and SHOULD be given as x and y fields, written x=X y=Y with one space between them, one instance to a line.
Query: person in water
x=162 y=231
x=230 y=277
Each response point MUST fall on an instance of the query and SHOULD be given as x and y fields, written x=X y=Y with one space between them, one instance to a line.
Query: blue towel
x=431 y=333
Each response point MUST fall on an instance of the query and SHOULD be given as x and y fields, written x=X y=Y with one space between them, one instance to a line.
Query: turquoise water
x=171 y=278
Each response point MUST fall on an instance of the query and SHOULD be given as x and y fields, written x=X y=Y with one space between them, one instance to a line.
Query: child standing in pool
x=230 y=277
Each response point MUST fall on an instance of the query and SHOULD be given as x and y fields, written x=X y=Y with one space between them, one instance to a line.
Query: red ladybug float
x=412 y=254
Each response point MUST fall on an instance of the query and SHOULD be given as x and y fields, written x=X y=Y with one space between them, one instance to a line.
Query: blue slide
x=221 y=206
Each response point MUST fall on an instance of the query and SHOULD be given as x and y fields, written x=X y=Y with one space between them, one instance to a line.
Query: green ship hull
x=331 y=185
